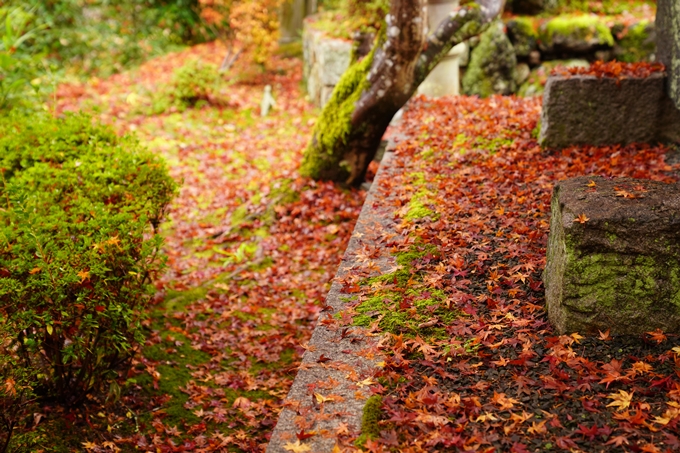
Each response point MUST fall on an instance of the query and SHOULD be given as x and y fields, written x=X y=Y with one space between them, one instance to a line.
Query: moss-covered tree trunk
x=372 y=90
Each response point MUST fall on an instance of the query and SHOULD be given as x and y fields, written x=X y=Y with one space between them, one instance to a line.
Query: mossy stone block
x=637 y=43
x=523 y=34
x=590 y=110
x=492 y=64
x=575 y=35
x=613 y=257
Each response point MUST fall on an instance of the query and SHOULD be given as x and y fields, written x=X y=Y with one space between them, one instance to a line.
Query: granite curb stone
x=349 y=361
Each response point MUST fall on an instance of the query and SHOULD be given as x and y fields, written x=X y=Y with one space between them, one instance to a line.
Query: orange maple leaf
x=657 y=335
x=582 y=219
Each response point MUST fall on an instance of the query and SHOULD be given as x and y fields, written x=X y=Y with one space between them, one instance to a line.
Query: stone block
x=613 y=258
x=492 y=64
x=574 y=35
x=325 y=60
x=580 y=110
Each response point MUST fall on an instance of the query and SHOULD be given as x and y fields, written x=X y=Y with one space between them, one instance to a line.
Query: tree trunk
x=372 y=90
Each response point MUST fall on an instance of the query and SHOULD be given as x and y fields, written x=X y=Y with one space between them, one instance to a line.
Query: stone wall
x=325 y=60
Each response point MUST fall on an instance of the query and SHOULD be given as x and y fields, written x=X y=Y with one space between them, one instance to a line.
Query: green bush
x=17 y=66
x=16 y=392
x=101 y=37
x=79 y=208
x=191 y=84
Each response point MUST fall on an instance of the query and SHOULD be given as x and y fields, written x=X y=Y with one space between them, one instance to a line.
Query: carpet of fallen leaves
x=251 y=251
x=249 y=266
x=503 y=380
x=613 y=69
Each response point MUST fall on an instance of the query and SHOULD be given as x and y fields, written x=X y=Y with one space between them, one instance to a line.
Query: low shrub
x=191 y=84
x=78 y=249
x=16 y=390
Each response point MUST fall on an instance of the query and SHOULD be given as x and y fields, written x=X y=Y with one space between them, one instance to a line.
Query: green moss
x=408 y=304
x=492 y=64
x=524 y=34
x=577 y=27
x=424 y=197
x=370 y=428
x=628 y=285
x=178 y=300
x=324 y=154
x=638 y=44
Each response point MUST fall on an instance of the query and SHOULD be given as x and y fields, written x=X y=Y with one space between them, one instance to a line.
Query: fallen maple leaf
x=621 y=400
x=582 y=219
x=591 y=183
x=604 y=336
x=625 y=194
x=538 y=428
x=297 y=447
x=503 y=402
x=618 y=441
x=658 y=336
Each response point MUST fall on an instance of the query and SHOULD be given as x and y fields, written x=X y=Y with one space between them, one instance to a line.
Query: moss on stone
x=403 y=309
x=492 y=64
x=576 y=27
x=324 y=153
x=418 y=206
x=523 y=33
x=638 y=43
x=370 y=429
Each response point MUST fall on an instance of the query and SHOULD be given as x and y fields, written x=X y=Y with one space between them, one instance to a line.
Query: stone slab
x=587 y=110
x=618 y=267
x=349 y=360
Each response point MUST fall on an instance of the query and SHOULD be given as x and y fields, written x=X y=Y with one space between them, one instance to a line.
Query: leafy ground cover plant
x=78 y=251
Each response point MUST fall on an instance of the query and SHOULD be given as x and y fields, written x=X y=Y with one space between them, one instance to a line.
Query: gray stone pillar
x=668 y=44
x=292 y=14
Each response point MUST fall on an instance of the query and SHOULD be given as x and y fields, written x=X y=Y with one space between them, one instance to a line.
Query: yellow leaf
x=621 y=400
x=676 y=350
x=297 y=447
x=321 y=399
x=642 y=367
x=486 y=417
x=84 y=275
x=49 y=328
x=582 y=218
x=365 y=383
x=89 y=445
x=538 y=428
x=577 y=337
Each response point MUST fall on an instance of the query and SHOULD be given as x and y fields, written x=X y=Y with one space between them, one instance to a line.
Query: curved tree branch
x=464 y=23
